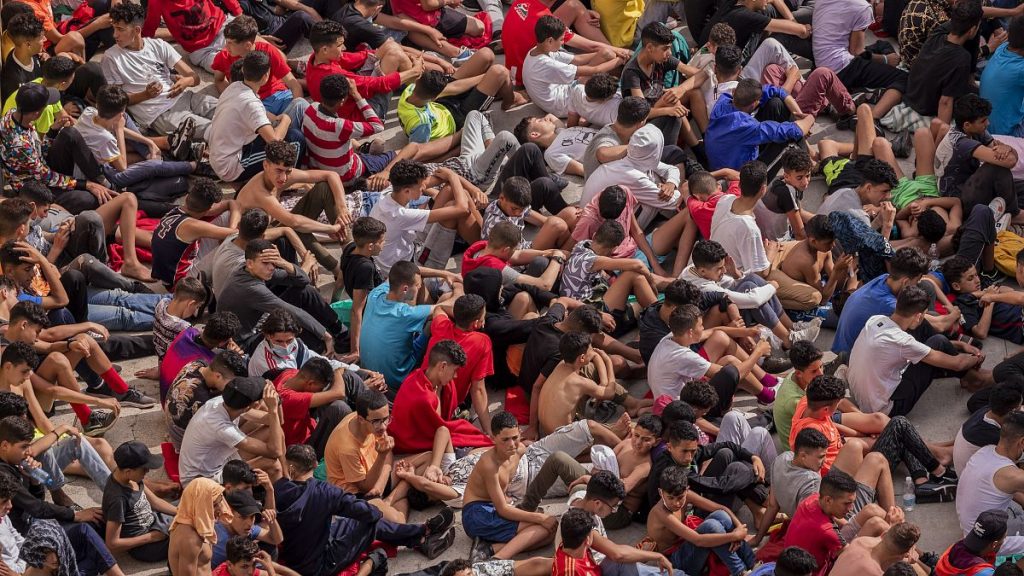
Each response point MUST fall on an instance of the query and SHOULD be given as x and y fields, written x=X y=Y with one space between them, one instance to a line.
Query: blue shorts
x=643 y=257
x=278 y=102
x=837 y=417
x=374 y=163
x=480 y=520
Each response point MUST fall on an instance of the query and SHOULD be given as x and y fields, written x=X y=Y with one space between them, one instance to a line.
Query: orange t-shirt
x=347 y=461
x=826 y=426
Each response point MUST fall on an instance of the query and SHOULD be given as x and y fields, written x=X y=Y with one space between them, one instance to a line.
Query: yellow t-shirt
x=46 y=119
x=424 y=123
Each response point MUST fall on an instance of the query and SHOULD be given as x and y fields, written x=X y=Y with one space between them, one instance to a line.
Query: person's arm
x=58 y=297
x=478 y=396
x=677 y=527
x=292 y=83
x=957 y=363
x=335 y=392
x=767 y=519
x=297 y=222
x=118 y=544
x=35 y=410
x=644 y=246
x=187 y=78
x=856 y=42
x=839 y=276
x=501 y=506
x=592 y=70
x=296 y=6
x=358 y=306
x=376 y=479
x=220 y=81
x=273 y=448
x=606 y=386
x=460 y=207
x=271 y=133
x=788 y=27
x=158 y=504
x=625 y=554
x=945 y=109
x=193 y=229
x=533 y=429
x=606 y=154
x=546 y=280
x=998 y=154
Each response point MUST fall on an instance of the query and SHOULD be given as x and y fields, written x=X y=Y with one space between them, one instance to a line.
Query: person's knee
x=879 y=146
x=712 y=525
x=874 y=526
x=875 y=461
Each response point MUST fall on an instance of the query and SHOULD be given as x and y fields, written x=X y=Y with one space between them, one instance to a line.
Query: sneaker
x=181 y=139
x=99 y=422
x=772 y=339
x=462 y=58
x=776 y=364
x=1003 y=223
x=832 y=366
x=948 y=477
x=805 y=330
x=205 y=170
x=135 y=399
x=848 y=122
x=435 y=544
x=378 y=560
x=197 y=151
x=480 y=551
x=935 y=492
x=998 y=207
x=440 y=522
x=902 y=144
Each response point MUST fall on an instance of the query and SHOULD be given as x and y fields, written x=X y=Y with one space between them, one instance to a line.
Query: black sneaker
x=830 y=367
x=440 y=522
x=378 y=562
x=480 y=551
x=197 y=151
x=776 y=364
x=435 y=544
x=948 y=477
x=205 y=170
x=902 y=144
x=180 y=140
x=99 y=422
x=935 y=492
x=135 y=399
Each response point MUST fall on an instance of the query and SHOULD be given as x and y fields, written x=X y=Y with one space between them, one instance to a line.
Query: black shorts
x=461 y=105
x=848 y=175
x=452 y=23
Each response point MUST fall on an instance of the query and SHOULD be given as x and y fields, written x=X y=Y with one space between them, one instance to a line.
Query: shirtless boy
x=567 y=388
x=326 y=196
x=800 y=265
x=487 y=517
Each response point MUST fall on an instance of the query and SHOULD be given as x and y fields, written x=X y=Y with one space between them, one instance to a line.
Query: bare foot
x=622 y=425
x=149 y=373
x=518 y=99
x=136 y=271
x=164 y=488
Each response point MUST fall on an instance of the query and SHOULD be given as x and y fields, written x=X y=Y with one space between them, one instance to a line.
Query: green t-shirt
x=786 y=399
x=45 y=120
x=424 y=123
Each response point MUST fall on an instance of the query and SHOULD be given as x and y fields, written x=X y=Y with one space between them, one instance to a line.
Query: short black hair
x=683 y=319
x=795 y=561
x=255 y=65
x=604 y=485
x=912 y=300
x=632 y=111
x=1004 y=398
x=59 y=68
x=931 y=226
x=516 y=189
x=203 y=193
x=803 y=353
x=505 y=234
x=681 y=292
x=547 y=27
x=673 y=480
x=242 y=28
x=876 y=171
x=281 y=152
x=238 y=471
x=14 y=429
x=502 y=420
x=367 y=229
x=677 y=411
x=8 y=486
x=221 y=326
x=953 y=270
x=809 y=439
x=325 y=33
x=908 y=262
x=12 y=404
x=796 y=159
x=837 y=482
x=468 y=308
x=14 y=213
x=370 y=400
x=576 y=525
x=722 y=34
x=11 y=9
x=253 y=224
x=430 y=84
x=522 y=130
x=820 y=228
x=1012 y=426
x=334 y=89
x=30 y=312
x=131 y=13
x=407 y=173
x=318 y=370
x=728 y=60
x=964 y=15
x=280 y=320
x=403 y=273
x=699 y=394
x=572 y=345
x=971 y=108
x=825 y=389
x=651 y=423
x=302 y=457
x=747 y=92
x=681 y=431
x=459 y=564
x=229 y=363
x=254 y=248
x=585 y=318
x=609 y=233
x=35 y=191
x=111 y=100
x=447 y=351
x=702 y=182
x=190 y=288
x=656 y=33
x=707 y=253
x=1014 y=33
x=241 y=548
x=26 y=26
x=601 y=86
x=753 y=177
x=902 y=568
x=611 y=202
x=19 y=353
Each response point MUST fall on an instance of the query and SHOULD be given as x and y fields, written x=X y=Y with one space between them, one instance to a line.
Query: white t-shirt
x=740 y=236
x=10 y=545
x=833 y=22
x=880 y=354
x=548 y=78
x=239 y=114
x=672 y=366
x=847 y=200
x=579 y=494
x=101 y=142
x=403 y=224
x=209 y=441
x=569 y=144
x=134 y=69
x=599 y=114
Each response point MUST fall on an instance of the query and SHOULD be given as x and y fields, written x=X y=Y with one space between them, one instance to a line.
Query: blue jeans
x=66 y=451
x=145 y=171
x=118 y=310
x=691 y=559
x=277 y=102
x=91 y=551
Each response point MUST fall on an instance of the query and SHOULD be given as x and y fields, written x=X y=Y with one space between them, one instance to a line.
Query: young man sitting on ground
x=993 y=311
x=585 y=548
x=196 y=383
x=870 y=554
x=982 y=428
x=240 y=38
x=513 y=205
x=779 y=214
x=801 y=265
x=361 y=275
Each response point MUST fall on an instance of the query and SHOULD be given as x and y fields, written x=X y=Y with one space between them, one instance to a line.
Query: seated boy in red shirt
x=704 y=196
x=198 y=25
x=243 y=557
x=240 y=39
x=441 y=15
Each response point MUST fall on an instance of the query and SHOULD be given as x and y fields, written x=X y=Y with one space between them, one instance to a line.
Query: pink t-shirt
x=591 y=220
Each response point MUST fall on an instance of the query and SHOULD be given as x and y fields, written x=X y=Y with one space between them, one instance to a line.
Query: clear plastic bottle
x=909 y=496
x=933 y=257
x=38 y=474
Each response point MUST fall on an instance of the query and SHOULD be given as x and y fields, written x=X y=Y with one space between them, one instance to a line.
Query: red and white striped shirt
x=329 y=139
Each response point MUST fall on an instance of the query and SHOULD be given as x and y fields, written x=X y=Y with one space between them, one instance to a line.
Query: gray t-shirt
x=604 y=137
x=845 y=199
x=791 y=483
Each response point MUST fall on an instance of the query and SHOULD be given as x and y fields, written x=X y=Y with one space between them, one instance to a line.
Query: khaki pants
x=318 y=200
x=795 y=295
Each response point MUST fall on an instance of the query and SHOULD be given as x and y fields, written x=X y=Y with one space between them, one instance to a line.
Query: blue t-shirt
x=220 y=549
x=869 y=300
x=1002 y=84
x=386 y=343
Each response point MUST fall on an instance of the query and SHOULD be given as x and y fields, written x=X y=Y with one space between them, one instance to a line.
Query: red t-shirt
x=222 y=570
x=193 y=23
x=479 y=355
x=414 y=10
x=518 y=36
x=368 y=86
x=278 y=67
x=298 y=424
x=815 y=532
x=701 y=212
x=826 y=426
x=566 y=565
x=471 y=262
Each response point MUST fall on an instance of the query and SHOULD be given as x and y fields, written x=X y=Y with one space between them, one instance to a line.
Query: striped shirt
x=329 y=139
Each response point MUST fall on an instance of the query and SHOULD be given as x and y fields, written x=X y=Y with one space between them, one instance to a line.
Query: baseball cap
x=243 y=502
x=243 y=391
x=989 y=527
x=32 y=97
x=135 y=454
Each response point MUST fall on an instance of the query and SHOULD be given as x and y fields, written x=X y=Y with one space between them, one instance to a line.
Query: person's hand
x=179 y=86
x=270 y=397
x=154 y=150
x=110 y=404
x=63 y=120
x=763 y=348
x=379 y=181
x=623 y=53
x=328 y=346
x=277 y=42
x=384 y=444
x=954 y=312
x=80 y=345
x=89 y=515
x=376 y=382
x=730 y=267
x=805 y=123
x=264 y=558
x=436 y=38
x=452 y=278
x=102 y=193
x=5 y=570
x=887 y=211
x=593 y=17
x=433 y=473
x=353 y=89
x=403 y=469
x=555 y=252
x=531 y=433
x=806 y=32
x=773 y=284
x=996 y=39
x=758 y=468
x=666 y=190
x=350 y=358
x=31 y=255
x=740 y=534
x=263 y=479
x=550 y=524
x=842 y=265
x=153 y=89
x=895 y=515
x=60 y=239
x=270 y=515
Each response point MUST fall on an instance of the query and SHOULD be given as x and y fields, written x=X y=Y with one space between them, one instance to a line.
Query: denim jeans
x=66 y=451
x=91 y=551
x=118 y=310
x=691 y=559
x=145 y=171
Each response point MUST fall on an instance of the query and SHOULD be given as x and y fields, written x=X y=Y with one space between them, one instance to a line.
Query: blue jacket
x=732 y=137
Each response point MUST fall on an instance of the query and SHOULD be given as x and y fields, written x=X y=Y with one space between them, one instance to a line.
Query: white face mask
x=284 y=350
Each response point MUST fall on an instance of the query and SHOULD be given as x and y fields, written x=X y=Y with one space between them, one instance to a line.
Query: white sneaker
x=1002 y=223
x=805 y=330
x=998 y=207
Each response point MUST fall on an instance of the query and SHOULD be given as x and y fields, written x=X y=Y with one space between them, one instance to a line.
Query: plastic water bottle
x=909 y=499
x=38 y=474
x=933 y=257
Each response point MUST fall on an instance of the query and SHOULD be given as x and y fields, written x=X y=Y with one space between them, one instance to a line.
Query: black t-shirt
x=12 y=76
x=129 y=507
x=358 y=29
x=652 y=86
x=746 y=22
x=942 y=69
x=540 y=356
x=358 y=272
x=326 y=8
x=850 y=175
x=1006 y=318
x=979 y=431
x=781 y=197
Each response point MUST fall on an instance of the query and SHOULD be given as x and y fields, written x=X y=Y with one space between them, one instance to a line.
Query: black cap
x=135 y=454
x=243 y=391
x=34 y=97
x=989 y=527
x=243 y=502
